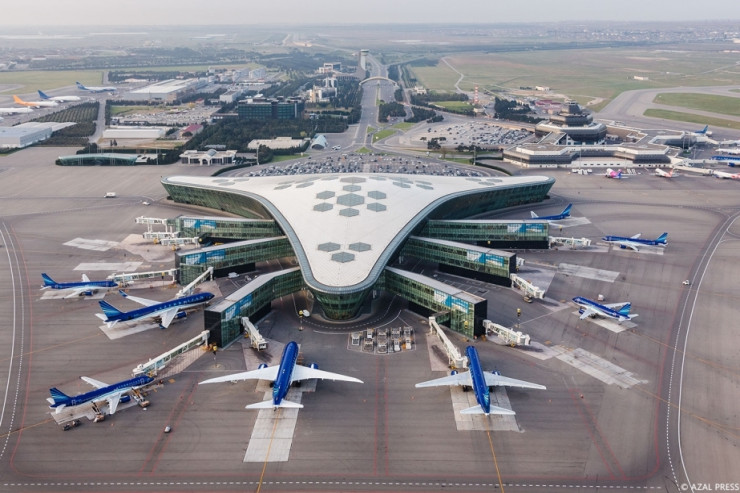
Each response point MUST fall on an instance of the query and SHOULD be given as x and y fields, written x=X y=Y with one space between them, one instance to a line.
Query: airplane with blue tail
x=82 y=87
x=635 y=242
x=58 y=99
x=557 y=217
x=703 y=131
x=114 y=393
x=730 y=161
x=165 y=312
x=84 y=288
x=480 y=382
x=283 y=375
x=591 y=308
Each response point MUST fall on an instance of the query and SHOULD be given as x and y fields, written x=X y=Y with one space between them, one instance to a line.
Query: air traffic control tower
x=344 y=231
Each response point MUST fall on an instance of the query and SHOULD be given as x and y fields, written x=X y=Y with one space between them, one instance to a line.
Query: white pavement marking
x=111 y=266
x=588 y=272
x=480 y=422
x=567 y=223
x=597 y=367
x=57 y=294
x=609 y=324
x=86 y=244
x=122 y=330
x=540 y=351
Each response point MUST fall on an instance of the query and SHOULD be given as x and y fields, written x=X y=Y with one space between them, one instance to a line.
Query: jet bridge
x=509 y=336
x=255 y=338
x=135 y=276
x=455 y=359
x=187 y=290
x=570 y=242
x=530 y=290
x=152 y=366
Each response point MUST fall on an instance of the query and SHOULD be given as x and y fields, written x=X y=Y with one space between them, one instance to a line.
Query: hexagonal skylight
x=352 y=188
x=350 y=199
x=375 y=194
x=343 y=257
x=360 y=247
x=349 y=212
x=323 y=207
x=329 y=247
x=326 y=194
x=376 y=207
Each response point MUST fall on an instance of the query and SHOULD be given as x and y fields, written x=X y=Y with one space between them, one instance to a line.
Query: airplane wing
x=634 y=237
x=141 y=301
x=113 y=401
x=168 y=316
x=616 y=305
x=457 y=379
x=85 y=278
x=76 y=292
x=629 y=244
x=269 y=373
x=493 y=380
x=587 y=312
x=95 y=383
x=304 y=373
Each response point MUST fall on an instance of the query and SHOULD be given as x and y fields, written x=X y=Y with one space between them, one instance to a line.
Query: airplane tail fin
x=17 y=99
x=662 y=239
x=625 y=310
x=703 y=130
x=109 y=310
x=57 y=396
x=270 y=404
x=534 y=216
x=48 y=281
x=42 y=94
x=80 y=86
x=566 y=211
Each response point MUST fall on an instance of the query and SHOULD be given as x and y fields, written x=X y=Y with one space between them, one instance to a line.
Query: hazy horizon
x=36 y=13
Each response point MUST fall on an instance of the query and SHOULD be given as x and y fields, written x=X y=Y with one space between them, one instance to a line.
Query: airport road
x=582 y=433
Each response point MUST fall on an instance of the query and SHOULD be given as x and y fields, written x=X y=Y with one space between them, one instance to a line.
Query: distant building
x=207 y=158
x=319 y=142
x=363 y=59
x=576 y=124
x=277 y=143
x=270 y=109
x=167 y=91
x=257 y=73
x=329 y=68
x=25 y=134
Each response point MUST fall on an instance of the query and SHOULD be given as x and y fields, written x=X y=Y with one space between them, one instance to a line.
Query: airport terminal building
x=344 y=232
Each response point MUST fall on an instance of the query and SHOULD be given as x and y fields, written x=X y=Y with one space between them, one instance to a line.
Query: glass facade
x=253 y=300
x=230 y=257
x=493 y=263
x=494 y=234
x=466 y=311
x=216 y=228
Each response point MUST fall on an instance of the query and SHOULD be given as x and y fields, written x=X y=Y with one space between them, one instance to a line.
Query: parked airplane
x=724 y=175
x=704 y=131
x=480 y=381
x=84 y=288
x=617 y=311
x=563 y=215
x=731 y=161
x=664 y=174
x=734 y=151
x=610 y=173
x=112 y=393
x=634 y=242
x=282 y=376
x=34 y=104
x=95 y=88
x=10 y=111
x=59 y=99
x=165 y=311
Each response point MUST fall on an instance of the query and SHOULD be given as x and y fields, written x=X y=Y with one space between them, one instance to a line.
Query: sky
x=33 y=13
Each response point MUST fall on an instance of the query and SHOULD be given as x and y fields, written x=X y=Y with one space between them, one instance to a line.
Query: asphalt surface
x=673 y=422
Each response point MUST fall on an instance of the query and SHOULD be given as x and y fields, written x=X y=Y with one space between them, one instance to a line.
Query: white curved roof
x=342 y=225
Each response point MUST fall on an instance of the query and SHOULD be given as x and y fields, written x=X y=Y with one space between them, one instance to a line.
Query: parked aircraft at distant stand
x=59 y=99
x=725 y=175
x=86 y=287
x=95 y=88
x=10 y=111
x=111 y=393
x=617 y=311
x=726 y=150
x=634 y=242
x=165 y=311
x=664 y=174
x=34 y=104
x=731 y=161
x=610 y=173
x=282 y=376
x=704 y=131
x=563 y=215
x=480 y=382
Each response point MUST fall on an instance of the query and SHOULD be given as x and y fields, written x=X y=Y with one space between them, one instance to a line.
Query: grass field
x=403 y=126
x=382 y=134
x=458 y=106
x=706 y=102
x=592 y=77
x=24 y=82
x=691 y=118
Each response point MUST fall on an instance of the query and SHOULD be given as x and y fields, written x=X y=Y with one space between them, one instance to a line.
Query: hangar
x=344 y=231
